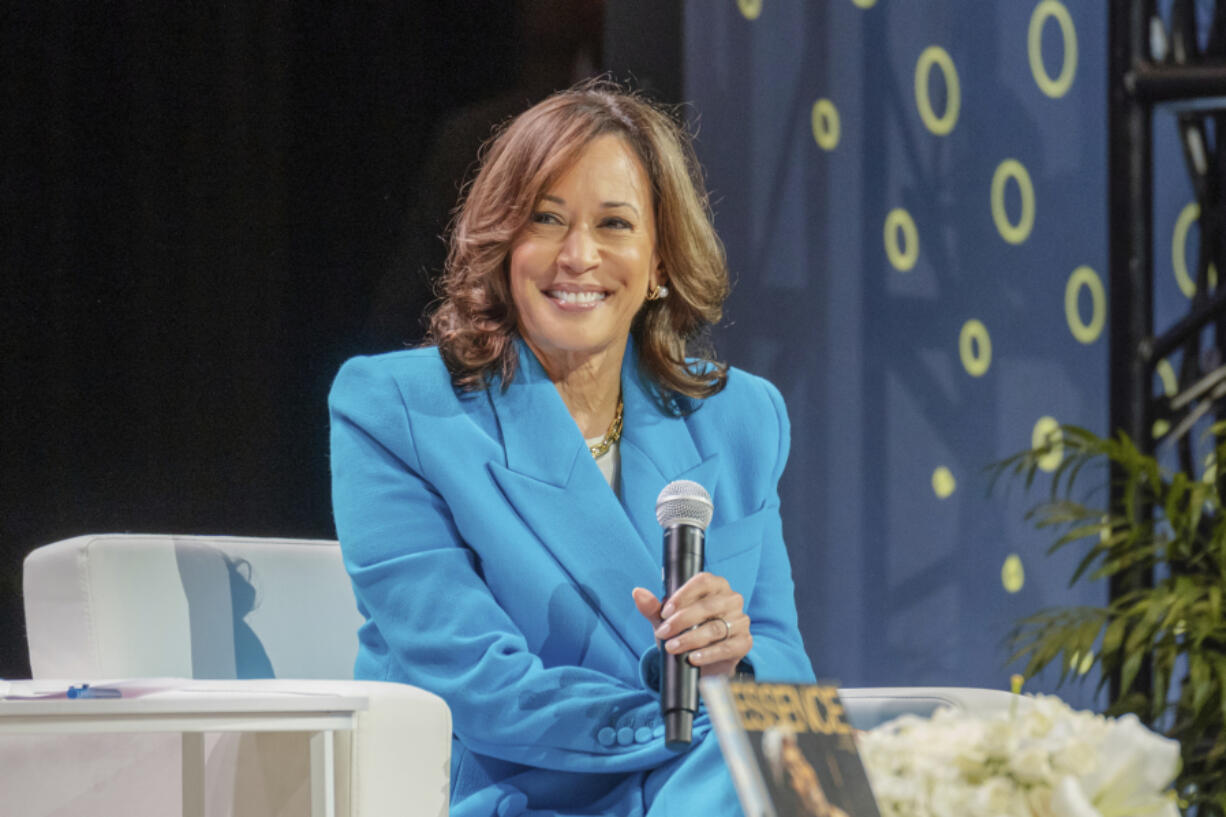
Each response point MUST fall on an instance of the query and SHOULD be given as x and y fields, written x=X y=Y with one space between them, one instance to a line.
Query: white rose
x=1040 y=760
x=1070 y=800
x=1044 y=712
x=1039 y=799
x=971 y=762
x=1134 y=766
x=1000 y=737
x=950 y=799
x=1075 y=757
x=1000 y=797
x=1031 y=764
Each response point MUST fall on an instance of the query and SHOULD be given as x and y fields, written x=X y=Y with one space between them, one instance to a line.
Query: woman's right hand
x=705 y=618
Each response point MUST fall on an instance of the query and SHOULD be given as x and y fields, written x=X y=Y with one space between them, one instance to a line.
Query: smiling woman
x=582 y=268
x=477 y=322
x=494 y=492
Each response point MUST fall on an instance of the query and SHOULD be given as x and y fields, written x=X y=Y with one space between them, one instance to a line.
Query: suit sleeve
x=433 y=622
x=778 y=652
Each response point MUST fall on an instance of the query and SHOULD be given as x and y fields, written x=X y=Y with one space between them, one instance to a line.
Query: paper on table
x=33 y=690
x=52 y=690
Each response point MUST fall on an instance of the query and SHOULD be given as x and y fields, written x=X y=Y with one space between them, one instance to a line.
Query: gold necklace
x=611 y=436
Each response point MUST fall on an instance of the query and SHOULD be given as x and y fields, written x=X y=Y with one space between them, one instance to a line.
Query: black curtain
x=198 y=200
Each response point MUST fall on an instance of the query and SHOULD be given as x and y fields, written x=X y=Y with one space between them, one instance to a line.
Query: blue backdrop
x=913 y=196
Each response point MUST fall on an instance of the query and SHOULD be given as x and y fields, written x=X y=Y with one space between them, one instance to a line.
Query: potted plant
x=1169 y=526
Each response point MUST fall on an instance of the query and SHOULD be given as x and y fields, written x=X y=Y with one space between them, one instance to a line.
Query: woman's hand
x=705 y=618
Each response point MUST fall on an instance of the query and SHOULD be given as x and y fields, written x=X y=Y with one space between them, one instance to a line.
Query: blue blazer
x=494 y=565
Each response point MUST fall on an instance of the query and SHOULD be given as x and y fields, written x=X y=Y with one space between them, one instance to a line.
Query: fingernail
x=672 y=645
x=695 y=656
x=668 y=610
x=662 y=631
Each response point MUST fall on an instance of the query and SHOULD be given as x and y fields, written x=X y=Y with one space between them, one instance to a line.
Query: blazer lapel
x=560 y=494
x=656 y=449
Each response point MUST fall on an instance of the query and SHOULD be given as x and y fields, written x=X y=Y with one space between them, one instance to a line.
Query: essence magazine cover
x=789 y=748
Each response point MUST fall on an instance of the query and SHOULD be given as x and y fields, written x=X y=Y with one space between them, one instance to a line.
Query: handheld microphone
x=684 y=510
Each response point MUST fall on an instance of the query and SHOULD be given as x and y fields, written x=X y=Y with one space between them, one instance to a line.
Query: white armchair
x=114 y=606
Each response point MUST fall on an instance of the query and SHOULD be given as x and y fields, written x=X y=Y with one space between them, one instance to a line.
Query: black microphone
x=684 y=510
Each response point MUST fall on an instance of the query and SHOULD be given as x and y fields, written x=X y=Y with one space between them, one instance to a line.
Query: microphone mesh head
x=684 y=502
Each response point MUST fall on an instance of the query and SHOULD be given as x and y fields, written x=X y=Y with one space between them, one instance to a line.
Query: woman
x=494 y=494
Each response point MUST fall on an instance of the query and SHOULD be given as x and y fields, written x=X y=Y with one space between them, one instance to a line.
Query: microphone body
x=684 y=510
x=683 y=558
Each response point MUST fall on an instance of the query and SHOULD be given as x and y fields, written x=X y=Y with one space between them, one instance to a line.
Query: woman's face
x=581 y=268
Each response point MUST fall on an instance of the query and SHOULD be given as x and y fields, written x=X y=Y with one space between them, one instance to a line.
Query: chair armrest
x=400 y=762
x=867 y=707
x=399 y=753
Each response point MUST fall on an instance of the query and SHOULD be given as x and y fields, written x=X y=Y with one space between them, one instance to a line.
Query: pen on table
x=87 y=691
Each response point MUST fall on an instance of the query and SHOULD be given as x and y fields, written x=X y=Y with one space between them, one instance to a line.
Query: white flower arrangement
x=1040 y=759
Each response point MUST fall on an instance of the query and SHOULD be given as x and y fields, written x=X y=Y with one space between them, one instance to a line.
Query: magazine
x=789 y=748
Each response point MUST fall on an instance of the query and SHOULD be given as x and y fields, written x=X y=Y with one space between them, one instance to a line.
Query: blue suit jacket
x=494 y=564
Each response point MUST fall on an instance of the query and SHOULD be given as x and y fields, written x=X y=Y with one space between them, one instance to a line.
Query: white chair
x=116 y=606
x=867 y=707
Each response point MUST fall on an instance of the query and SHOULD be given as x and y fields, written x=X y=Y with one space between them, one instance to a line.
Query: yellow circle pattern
x=935 y=55
x=1085 y=277
x=1170 y=384
x=975 y=347
x=825 y=122
x=943 y=482
x=1012 y=574
x=903 y=257
x=1013 y=233
x=1047 y=433
x=1058 y=87
x=750 y=8
x=1179 y=251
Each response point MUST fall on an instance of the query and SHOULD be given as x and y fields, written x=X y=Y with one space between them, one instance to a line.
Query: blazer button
x=658 y=731
x=642 y=734
x=512 y=804
x=625 y=736
x=606 y=736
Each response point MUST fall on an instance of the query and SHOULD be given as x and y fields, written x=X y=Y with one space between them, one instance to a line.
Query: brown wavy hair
x=476 y=324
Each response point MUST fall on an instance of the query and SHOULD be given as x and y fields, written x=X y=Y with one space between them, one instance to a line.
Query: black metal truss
x=1160 y=62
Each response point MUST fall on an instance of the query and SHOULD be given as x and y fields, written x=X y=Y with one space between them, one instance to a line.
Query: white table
x=194 y=708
